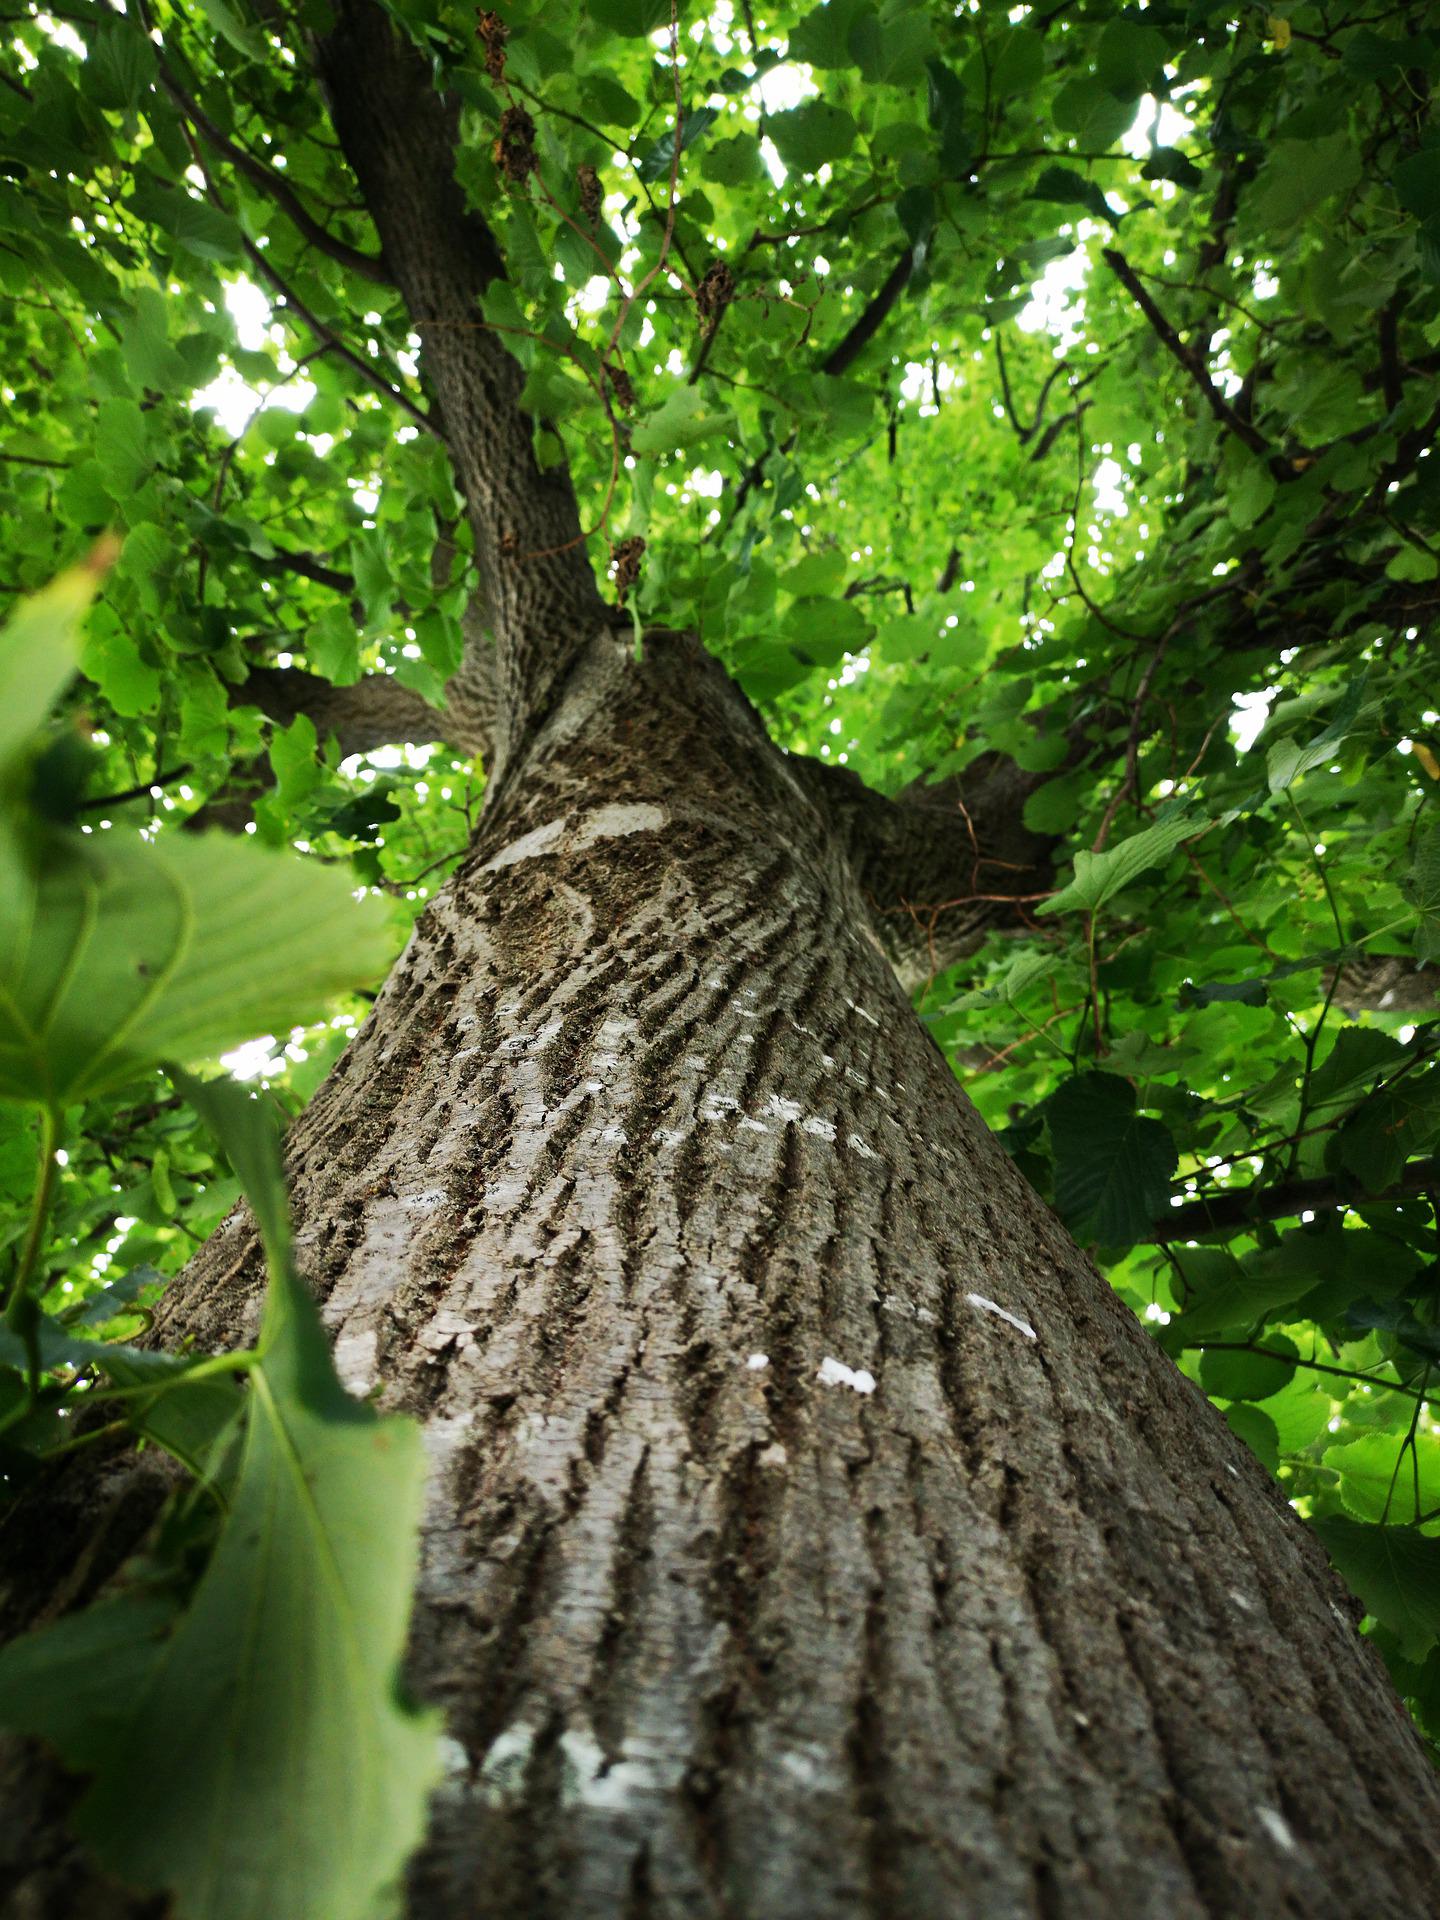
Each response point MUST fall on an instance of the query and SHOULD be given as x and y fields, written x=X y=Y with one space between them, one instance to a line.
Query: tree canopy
x=1054 y=384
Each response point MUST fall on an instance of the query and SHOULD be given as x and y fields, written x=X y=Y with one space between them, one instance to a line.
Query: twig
x=1228 y=1212
x=1187 y=357
x=371 y=375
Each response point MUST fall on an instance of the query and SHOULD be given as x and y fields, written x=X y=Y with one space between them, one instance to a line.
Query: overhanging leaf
x=1113 y=1166
x=115 y=956
x=1394 y=1570
x=1099 y=876
x=655 y=163
x=285 y=1772
x=40 y=648
x=683 y=419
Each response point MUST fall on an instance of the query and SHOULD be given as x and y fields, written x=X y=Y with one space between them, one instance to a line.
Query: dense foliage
x=1054 y=381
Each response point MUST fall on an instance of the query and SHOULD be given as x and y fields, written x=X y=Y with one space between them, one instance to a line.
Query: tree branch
x=375 y=712
x=371 y=375
x=939 y=866
x=1226 y=1213
x=1187 y=357
x=399 y=135
x=273 y=184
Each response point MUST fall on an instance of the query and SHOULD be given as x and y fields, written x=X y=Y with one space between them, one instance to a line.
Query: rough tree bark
x=813 y=1533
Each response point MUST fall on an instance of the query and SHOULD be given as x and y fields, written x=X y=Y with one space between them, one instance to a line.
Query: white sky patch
x=784 y=87
x=1248 y=715
x=835 y=1373
x=1108 y=497
x=257 y=1059
x=987 y=1305
x=235 y=400
x=757 y=1362
x=1053 y=307
x=1173 y=127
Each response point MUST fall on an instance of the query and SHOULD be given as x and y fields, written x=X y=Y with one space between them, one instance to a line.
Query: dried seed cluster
x=590 y=191
x=493 y=33
x=515 y=153
x=626 y=557
x=715 y=291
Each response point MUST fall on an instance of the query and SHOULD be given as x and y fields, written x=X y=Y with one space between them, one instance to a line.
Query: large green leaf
x=284 y=1772
x=1099 y=876
x=1381 y=1475
x=39 y=649
x=1113 y=1166
x=116 y=954
x=1395 y=1571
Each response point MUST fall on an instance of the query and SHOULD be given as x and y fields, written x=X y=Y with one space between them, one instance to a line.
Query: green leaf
x=1070 y=189
x=1024 y=970
x=1422 y=890
x=1359 y=1056
x=232 y=29
x=825 y=630
x=1168 y=163
x=655 y=163
x=189 y=221
x=1100 y=876
x=1299 y=176
x=1130 y=56
x=283 y=1772
x=40 y=649
x=115 y=955
x=1091 y=113
x=1381 y=1135
x=149 y=358
x=1222 y=1296
x=823 y=38
x=635 y=18
x=1257 y=1430
x=120 y=66
x=1287 y=760
x=811 y=134
x=1380 y=1475
x=947 y=112
x=1417 y=182
x=1249 y=1376
x=683 y=419
x=248 y=1129
x=1394 y=1570
x=1113 y=1166
x=1249 y=493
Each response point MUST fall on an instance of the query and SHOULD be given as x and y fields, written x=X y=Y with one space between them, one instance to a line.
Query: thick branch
x=399 y=136
x=940 y=866
x=376 y=712
x=1228 y=1212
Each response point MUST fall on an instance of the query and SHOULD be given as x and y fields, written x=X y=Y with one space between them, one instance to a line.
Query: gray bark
x=964 y=1602
x=1023 y=1630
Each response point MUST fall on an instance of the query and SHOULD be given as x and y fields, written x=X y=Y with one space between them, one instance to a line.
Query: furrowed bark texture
x=813 y=1532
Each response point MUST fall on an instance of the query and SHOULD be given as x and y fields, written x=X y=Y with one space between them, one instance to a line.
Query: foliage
x=256 y=1697
x=1073 y=399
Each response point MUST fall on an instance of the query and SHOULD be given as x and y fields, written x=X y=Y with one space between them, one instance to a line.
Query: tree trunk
x=813 y=1533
